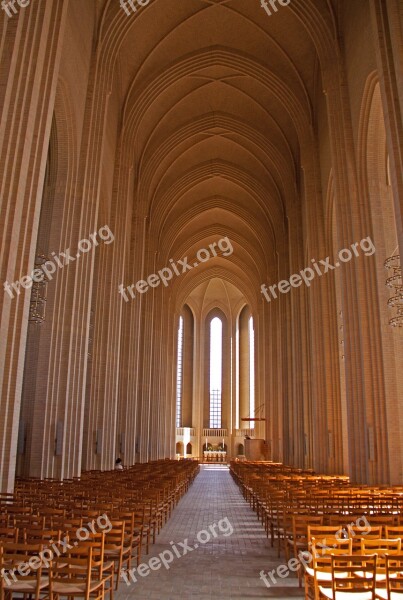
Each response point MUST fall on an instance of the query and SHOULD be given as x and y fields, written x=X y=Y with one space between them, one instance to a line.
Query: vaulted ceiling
x=218 y=109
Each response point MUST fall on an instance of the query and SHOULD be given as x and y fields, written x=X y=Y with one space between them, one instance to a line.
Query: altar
x=214 y=456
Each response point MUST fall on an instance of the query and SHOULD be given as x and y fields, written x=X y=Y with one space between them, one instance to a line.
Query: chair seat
x=378 y=576
x=116 y=552
x=27 y=586
x=322 y=575
x=74 y=588
x=328 y=592
x=383 y=594
x=297 y=543
x=325 y=576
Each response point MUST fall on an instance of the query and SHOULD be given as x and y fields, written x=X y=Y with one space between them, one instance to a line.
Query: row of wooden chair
x=103 y=518
x=28 y=570
x=359 y=577
x=300 y=510
x=337 y=573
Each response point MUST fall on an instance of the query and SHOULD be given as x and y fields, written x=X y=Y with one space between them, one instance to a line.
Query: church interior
x=201 y=321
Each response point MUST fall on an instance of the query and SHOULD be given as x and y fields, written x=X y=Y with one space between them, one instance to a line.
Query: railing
x=181 y=431
x=220 y=433
x=215 y=433
x=245 y=432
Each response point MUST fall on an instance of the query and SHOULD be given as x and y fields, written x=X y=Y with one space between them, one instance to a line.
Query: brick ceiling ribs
x=218 y=104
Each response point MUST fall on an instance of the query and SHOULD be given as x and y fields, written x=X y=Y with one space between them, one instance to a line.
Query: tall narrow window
x=215 y=372
x=251 y=370
x=179 y=375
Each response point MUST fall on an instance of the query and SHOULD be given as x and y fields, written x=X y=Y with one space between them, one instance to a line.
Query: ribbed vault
x=217 y=119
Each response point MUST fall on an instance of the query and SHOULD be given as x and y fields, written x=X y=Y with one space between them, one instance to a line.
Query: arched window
x=179 y=375
x=215 y=372
x=251 y=370
x=245 y=370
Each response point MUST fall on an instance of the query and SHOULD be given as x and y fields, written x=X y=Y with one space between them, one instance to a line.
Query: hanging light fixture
x=395 y=282
x=37 y=304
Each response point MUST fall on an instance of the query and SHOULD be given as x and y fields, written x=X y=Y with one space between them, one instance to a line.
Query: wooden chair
x=383 y=548
x=347 y=582
x=132 y=536
x=141 y=528
x=21 y=569
x=318 y=571
x=299 y=539
x=394 y=579
x=100 y=564
x=76 y=575
x=117 y=548
x=151 y=518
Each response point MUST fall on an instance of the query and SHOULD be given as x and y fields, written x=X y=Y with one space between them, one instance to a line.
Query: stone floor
x=224 y=561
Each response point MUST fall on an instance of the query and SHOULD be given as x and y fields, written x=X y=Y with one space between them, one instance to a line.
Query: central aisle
x=227 y=566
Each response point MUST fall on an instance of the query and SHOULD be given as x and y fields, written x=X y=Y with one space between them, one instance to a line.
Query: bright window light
x=179 y=375
x=251 y=370
x=215 y=372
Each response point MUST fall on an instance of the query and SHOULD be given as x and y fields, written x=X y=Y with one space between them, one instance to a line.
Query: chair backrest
x=381 y=546
x=394 y=531
x=358 y=533
x=29 y=520
x=323 y=549
x=39 y=535
x=66 y=523
x=9 y=534
x=384 y=520
x=320 y=532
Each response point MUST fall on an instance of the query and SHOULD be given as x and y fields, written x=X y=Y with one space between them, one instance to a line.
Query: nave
x=225 y=567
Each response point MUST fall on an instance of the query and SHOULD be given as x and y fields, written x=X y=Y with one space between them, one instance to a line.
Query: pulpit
x=254 y=449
